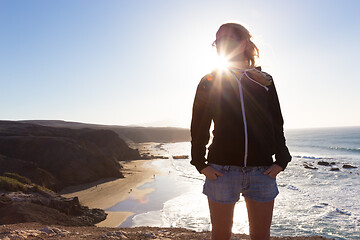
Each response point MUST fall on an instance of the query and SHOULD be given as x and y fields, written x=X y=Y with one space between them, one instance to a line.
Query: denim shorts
x=250 y=181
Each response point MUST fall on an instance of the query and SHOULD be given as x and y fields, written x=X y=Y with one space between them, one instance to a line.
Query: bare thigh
x=221 y=220
x=260 y=216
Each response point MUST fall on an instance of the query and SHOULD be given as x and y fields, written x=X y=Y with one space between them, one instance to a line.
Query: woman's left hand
x=273 y=170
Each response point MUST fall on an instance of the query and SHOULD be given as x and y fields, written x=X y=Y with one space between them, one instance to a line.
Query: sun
x=204 y=60
x=222 y=63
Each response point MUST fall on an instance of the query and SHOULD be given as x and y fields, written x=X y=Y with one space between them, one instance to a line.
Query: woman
x=248 y=130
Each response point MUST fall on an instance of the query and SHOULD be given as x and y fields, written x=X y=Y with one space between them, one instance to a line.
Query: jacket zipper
x=243 y=113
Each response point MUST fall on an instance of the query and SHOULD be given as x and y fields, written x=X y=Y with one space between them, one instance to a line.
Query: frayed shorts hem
x=218 y=201
x=235 y=201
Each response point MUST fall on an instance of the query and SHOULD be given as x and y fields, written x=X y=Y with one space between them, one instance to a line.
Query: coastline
x=107 y=192
x=166 y=183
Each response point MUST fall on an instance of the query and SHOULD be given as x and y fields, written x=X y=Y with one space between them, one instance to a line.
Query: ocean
x=324 y=201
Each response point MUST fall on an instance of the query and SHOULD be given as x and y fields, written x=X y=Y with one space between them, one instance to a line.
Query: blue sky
x=139 y=62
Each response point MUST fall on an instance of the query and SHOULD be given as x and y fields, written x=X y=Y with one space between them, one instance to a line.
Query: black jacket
x=248 y=124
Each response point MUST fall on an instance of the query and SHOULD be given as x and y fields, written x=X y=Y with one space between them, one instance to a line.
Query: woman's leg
x=260 y=216
x=221 y=220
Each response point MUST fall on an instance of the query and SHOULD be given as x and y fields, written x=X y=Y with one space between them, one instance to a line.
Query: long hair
x=251 y=51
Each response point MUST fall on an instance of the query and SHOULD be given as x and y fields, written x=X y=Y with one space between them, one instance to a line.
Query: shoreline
x=106 y=193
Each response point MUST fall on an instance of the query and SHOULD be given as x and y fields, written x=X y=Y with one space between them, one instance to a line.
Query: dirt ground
x=39 y=231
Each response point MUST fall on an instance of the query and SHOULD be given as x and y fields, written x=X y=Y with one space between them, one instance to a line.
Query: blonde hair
x=251 y=51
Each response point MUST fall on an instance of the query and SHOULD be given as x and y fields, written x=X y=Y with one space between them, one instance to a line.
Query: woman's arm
x=200 y=123
x=282 y=155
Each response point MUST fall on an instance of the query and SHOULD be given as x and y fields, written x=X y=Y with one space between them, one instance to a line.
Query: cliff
x=59 y=157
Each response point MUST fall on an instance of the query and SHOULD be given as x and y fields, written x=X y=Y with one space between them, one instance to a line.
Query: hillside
x=135 y=134
x=58 y=157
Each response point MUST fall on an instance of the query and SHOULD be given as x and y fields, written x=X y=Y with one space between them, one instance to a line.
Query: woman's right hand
x=211 y=173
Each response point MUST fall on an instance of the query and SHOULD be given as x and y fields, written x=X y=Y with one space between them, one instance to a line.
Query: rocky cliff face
x=59 y=157
x=27 y=169
x=46 y=208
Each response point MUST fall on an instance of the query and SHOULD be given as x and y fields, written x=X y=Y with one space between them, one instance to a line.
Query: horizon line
x=144 y=124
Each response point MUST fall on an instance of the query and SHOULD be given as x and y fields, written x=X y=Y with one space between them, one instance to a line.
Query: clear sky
x=139 y=62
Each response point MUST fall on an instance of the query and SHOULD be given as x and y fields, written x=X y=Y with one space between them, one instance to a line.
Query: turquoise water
x=311 y=202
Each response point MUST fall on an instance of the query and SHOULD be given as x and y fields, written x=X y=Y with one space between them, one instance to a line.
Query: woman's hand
x=211 y=173
x=273 y=170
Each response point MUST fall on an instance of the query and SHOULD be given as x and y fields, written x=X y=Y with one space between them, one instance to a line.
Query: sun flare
x=208 y=60
x=222 y=63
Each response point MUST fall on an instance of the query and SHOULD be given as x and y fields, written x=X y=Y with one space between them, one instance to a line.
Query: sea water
x=311 y=201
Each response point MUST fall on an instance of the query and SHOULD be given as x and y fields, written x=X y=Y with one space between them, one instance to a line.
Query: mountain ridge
x=133 y=134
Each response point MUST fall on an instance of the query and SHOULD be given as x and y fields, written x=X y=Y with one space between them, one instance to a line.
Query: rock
x=54 y=230
x=181 y=157
x=4 y=200
x=334 y=169
x=323 y=163
x=29 y=233
x=309 y=166
x=50 y=209
x=153 y=157
x=47 y=230
x=149 y=235
x=348 y=166
x=115 y=235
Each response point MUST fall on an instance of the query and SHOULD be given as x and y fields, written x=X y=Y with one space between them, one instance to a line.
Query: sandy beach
x=108 y=192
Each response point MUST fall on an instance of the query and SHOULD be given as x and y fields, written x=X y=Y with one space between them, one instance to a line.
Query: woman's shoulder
x=260 y=76
x=256 y=74
x=208 y=79
x=213 y=75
